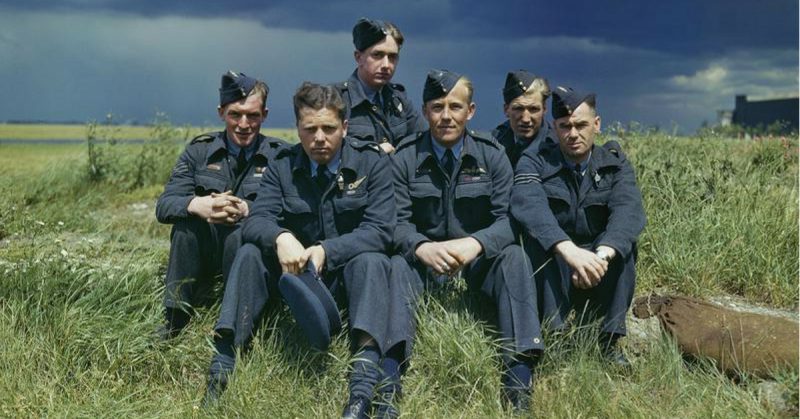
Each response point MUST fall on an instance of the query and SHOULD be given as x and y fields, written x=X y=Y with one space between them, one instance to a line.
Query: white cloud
x=706 y=79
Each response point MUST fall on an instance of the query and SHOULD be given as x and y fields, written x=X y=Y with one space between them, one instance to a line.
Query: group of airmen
x=378 y=203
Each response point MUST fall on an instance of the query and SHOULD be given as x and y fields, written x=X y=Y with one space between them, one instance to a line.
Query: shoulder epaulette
x=484 y=137
x=613 y=147
x=203 y=138
x=340 y=86
x=285 y=151
x=409 y=139
x=363 y=144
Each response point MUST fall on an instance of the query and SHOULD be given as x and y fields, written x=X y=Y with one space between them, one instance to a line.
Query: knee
x=248 y=253
x=366 y=262
x=514 y=256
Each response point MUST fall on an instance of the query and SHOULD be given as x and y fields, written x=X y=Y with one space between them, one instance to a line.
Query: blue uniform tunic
x=604 y=208
x=432 y=206
x=352 y=219
x=199 y=250
x=389 y=120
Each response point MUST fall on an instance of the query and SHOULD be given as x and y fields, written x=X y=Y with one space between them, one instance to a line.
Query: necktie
x=322 y=178
x=449 y=162
x=241 y=163
x=578 y=174
x=376 y=100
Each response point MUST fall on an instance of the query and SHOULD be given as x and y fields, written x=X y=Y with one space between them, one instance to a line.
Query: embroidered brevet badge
x=351 y=188
x=214 y=166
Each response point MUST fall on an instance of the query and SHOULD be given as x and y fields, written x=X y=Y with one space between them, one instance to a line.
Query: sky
x=671 y=64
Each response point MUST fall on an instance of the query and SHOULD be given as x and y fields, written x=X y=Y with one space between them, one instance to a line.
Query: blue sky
x=658 y=63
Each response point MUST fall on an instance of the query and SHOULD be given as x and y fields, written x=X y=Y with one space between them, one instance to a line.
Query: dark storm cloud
x=682 y=27
x=675 y=62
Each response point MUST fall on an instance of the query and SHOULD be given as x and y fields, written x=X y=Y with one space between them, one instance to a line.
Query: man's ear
x=221 y=112
x=344 y=127
x=472 y=108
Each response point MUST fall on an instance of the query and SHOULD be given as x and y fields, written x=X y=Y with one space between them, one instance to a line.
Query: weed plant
x=82 y=260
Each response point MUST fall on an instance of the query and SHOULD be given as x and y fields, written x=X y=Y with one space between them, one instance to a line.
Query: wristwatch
x=603 y=255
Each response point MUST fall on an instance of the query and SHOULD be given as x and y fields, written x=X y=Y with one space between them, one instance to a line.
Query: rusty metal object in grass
x=739 y=342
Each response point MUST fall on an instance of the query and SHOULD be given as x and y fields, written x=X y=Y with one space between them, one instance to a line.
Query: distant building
x=763 y=113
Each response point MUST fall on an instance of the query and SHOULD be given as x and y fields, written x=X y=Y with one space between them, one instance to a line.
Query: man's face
x=243 y=119
x=321 y=133
x=525 y=114
x=576 y=132
x=447 y=116
x=377 y=63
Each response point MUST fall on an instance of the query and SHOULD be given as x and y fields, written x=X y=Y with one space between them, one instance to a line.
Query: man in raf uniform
x=452 y=188
x=325 y=204
x=211 y=190
x=525 y=105
x=581 y=211
x=377 y=108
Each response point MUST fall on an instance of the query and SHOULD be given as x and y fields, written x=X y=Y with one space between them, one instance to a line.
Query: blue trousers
x=252 y=285
x=199 y=251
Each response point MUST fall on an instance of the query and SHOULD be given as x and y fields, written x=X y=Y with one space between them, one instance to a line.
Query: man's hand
x=217 y=208
x=291 y=253
x=465 y=249
x=437 y=256
x=587 y=268
x=387 y=147
x=316 y=255
x=608 y=250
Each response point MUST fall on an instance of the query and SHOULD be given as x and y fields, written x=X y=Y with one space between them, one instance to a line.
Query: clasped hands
x=219 y=208
x=588 y=269
x=448 y=257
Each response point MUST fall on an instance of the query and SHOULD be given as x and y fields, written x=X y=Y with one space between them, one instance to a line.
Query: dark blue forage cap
x=312 y=306
x=566 y=99
x=368 y=32
x=235 y=86
x=517 y=83
x=439 y=83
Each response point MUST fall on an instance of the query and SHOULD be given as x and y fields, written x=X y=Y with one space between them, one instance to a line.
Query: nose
x=573 y=132
x=319 y=136
x=242 y=122
x=446 y=114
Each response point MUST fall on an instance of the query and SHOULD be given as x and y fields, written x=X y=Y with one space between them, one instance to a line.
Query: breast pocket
x=349 y=211
x=207 y=182
x=299 y=217
x=250 y=189
x=361 y=128
x=595 y=207
x=426 y=205
x=558 y=198
x=473 y=205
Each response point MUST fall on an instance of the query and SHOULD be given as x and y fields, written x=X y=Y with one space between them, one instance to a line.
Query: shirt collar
x=234 y=149
x=583 y=165
x=333 y=165
x=439 y=149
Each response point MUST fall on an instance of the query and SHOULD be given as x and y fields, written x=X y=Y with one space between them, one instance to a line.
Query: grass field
x=120 y=132
x=82 y=259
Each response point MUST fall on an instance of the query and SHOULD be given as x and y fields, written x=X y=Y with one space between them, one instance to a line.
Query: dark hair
x=318 y=96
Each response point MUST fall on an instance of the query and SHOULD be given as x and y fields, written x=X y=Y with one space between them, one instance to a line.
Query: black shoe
x=175 y=321
x=388 y=396
x=518 y=398
x=612 y=352
x=357 y=408
x=221 y=367
x=165 y=332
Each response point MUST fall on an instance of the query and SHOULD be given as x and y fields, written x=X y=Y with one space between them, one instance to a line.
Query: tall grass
x=82 y=261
